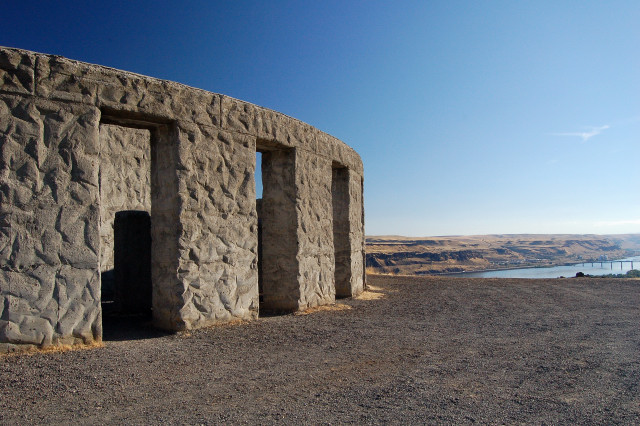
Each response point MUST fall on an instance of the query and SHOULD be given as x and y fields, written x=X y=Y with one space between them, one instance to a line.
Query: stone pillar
x=356 y=233
x=165 y=229
x=217 y=275
x=315 y=231
x=260 y=253
x=49 y=219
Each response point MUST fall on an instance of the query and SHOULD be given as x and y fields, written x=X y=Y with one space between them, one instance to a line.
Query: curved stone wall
x=81 y=142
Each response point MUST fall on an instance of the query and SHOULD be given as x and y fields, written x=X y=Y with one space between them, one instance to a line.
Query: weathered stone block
x=167 y=294
x=78 y=226
x=164 y=175
x=78 y=293
x=265 y=124
x=17 y=71
x=216 y=292
x=58 y=78
x=314 y=231
x=29 y=305
x=125 y=180
x=23 y=329
x=157 y=98
x=356 y=232
x=67 y=80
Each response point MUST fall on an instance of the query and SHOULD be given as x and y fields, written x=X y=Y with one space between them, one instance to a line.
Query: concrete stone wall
x=165 y=229
x=356 y=233
x=80 y=142
x=217 y=244
x=125 y=184
x=49 y=268
x=316 y=257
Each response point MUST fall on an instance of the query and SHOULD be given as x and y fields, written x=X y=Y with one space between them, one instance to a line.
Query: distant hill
x=435 y=255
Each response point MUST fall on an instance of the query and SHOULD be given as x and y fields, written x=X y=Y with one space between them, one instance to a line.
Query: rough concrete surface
x=430 y=350
x=81 y=142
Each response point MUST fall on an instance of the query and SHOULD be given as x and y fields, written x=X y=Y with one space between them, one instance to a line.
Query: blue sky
x=471 y=117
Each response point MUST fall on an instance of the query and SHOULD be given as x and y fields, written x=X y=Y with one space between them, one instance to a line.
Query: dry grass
x=33 y=349
x=324 y=308
x=231 y=323
x=372 y=293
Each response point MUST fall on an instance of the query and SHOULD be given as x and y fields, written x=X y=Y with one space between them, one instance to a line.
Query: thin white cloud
x=586 y=135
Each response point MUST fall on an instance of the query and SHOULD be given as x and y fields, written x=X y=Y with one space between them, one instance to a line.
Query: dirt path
x=436 y=350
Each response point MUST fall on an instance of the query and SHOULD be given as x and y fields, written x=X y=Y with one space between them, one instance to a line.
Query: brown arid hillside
x=436 y=255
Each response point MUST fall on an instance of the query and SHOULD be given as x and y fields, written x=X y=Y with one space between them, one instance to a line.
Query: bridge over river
x=590 y=267
x=611 y=262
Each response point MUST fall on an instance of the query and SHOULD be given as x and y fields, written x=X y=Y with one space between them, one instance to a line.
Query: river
x=559 y=271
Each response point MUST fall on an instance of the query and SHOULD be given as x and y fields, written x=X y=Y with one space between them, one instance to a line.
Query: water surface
x=596 y=268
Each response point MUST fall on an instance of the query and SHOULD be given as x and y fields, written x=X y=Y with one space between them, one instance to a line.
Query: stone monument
x=141 y=191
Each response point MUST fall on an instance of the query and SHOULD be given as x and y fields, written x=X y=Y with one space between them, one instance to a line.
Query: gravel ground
x=430 y=350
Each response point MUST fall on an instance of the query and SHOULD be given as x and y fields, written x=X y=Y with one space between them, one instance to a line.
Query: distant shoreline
x=533 y=267
x=459 y=255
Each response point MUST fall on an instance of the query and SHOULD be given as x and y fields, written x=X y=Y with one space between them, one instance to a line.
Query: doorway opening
x=341 y=245
x=132 y=263
x=130 y=183
x=258 y=178
x=277 y=238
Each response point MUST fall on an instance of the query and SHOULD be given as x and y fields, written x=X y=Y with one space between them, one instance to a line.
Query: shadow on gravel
x=117 y=329
x=268 y=313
